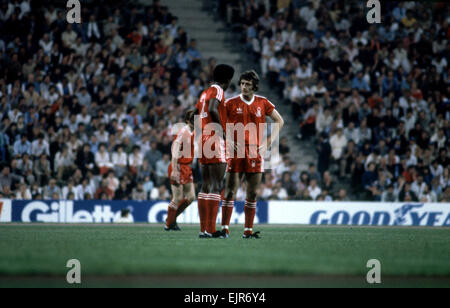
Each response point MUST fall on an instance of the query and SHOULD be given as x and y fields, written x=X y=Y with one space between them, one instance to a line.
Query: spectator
x=323 y=121
x=368 y=179
x=135 y=159
x=283 y=166
x=69 y=192
x=313 y=189
x=119 y=161
x=85 y=159
x=342 y=196
x=338 y=142
x=360 y=84
x=23 y=193
x=84 y=189
x=283 y=147
x=144 y=171
x=42 y=170
x=112 y=181
x=327 y=183
x=22 y=146
x=40 y=146
x=139 y=193
x=122 y=192
x=406 y=194
x=8 y=179
x=427 y=196
x=389 y=195
x=63 y=163
x=324 y=153
x=52 y=191
x=186 y=99
x=160 y=193
x=278 y=192
x=102 y=160
x=103 y=190
x=288 y=185
x=162 y=166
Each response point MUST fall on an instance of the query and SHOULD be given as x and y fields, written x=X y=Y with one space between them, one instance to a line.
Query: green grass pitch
x=285 y=256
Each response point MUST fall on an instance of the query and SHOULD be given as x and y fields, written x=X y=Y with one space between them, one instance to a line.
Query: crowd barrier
x=268 y=212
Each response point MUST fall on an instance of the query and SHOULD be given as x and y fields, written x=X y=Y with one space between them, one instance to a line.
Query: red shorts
x=249 y=164
x=185 y=174
x=212 y=153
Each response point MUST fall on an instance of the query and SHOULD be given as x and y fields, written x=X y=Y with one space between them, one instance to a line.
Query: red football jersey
x=216 y=92
x=239 y=110
x=186 y=138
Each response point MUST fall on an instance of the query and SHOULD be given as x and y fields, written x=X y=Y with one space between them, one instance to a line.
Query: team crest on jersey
x=253 y=164
x=239 y=110
x=258 y=112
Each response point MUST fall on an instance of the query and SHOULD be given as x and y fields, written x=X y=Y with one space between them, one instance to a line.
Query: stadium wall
x=272 y=212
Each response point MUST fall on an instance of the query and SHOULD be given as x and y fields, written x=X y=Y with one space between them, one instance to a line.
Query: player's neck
x=248 y=97
x=219 y=84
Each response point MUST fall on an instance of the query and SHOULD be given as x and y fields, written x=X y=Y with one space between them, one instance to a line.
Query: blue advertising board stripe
x=99 y=211
x=273 y=212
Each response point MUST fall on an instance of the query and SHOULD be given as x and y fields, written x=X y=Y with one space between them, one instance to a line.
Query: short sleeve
x=216 y=92
x=269 y=107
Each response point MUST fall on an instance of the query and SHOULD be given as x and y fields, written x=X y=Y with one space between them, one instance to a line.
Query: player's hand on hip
x=175 y=176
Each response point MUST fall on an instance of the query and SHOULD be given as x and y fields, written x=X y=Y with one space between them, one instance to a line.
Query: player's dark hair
x=189 y=117
x=223 y=73
x=251 y=76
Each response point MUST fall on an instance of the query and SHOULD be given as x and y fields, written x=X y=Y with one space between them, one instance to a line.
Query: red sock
x=182 y=206
x=202 y=207
x=227 y=211
x=171 y=213
x=249 y=210
x=213 y=205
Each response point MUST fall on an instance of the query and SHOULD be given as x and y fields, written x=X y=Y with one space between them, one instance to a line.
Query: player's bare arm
x=213 y=109
x=279 y=123
x=176 y=153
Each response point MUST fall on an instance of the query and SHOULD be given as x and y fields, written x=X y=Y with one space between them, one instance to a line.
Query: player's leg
x=188 y=197
x=177 y=196
x=187 y=180
x=253 y=182
x=216 y=173
x=203 y=198
x=231 y=185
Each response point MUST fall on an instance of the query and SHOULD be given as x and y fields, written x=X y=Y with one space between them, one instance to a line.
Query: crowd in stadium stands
x=374 y=98
x=86 y=109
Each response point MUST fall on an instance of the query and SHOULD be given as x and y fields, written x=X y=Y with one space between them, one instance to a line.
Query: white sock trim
x=213 y=197
x=228 y=203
